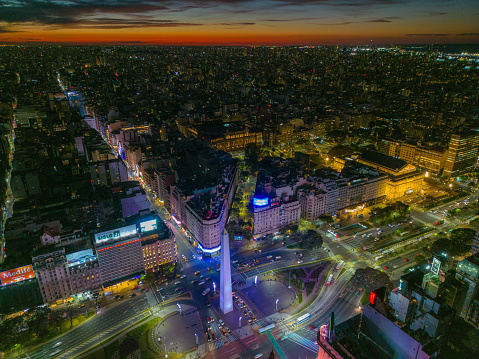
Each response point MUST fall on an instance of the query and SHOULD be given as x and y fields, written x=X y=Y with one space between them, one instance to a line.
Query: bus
x=340 y=264
x=266 y=328
x=303 y=318
x=330 y=278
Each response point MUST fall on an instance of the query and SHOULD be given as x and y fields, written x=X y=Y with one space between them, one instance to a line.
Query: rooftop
x=380 y=159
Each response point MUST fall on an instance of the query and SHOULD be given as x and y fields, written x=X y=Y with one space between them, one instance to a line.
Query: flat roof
x=381 y=159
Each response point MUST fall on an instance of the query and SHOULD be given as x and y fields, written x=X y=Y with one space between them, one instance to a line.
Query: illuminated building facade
x=468 y=271
x=227 y=137
x=432 y=160
x=202 y=206
x=62 y=275
x=157 y=242
x=271 y=217
x=403 y=177
x=119 y=253
x=275 y=202
x=462 y=154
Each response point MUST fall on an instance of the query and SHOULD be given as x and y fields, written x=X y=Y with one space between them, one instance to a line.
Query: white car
x=55 y=352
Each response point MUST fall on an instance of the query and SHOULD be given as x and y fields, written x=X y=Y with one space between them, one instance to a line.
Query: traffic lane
x=399 y=261
x=100 y=323
x=343 y=308
x=272 y=263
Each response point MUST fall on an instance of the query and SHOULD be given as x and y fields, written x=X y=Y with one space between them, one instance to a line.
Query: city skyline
x=232 y=22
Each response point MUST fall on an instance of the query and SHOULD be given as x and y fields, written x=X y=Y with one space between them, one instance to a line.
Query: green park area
x=37 y=326
x=140 y=338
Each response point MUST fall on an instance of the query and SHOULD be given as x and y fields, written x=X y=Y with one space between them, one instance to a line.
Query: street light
x=164 y=343
x=196 y=338
x=179 y=307
x=239 y=324
x=255 y=280
x=214 y=288
x=277 y=300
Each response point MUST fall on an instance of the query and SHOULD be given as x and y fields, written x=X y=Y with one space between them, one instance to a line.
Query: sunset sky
x=240 y=22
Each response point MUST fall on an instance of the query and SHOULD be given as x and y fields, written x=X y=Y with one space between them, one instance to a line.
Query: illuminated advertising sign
x=17 y=275
x=260 y=202
x=372 y=297
x=148 y=226
x=115 y=233
x=436 y=265
x=80 y=257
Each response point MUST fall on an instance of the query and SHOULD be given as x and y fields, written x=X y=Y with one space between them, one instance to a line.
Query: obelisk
x=226 y=295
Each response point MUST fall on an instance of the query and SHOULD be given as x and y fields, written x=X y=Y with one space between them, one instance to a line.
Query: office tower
x=462 y=154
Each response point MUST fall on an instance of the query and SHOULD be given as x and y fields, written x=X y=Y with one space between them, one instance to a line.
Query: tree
x=252 y=155
x=149 y=277
x=326 y=218
x=419 y=259
x=234 y=212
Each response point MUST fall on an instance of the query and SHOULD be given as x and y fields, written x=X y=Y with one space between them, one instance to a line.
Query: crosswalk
x=231 y=338
x=308 y=344
x=283 y=327
x=257 y=325
x=215 y=345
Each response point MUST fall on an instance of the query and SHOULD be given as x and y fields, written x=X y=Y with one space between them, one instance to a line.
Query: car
x=300 y=261
x=183 y=276
x=202 y=282
x=312 y=326
x=55 y=352
x=340 y=296
x=57 y=344
x=404 y=260
x=259 y=355
x=221 y=322
x=177 y=282
x=133 y=295
x=135 y=287
x=385 y=267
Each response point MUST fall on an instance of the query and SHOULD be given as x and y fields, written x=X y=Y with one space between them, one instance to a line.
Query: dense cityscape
x=239 y=202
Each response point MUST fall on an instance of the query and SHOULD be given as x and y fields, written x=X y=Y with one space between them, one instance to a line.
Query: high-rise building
x=158 y=243
x=119 y=253
x=61 y=274
x=468 y=271
x=201 y=204
x=462 y=154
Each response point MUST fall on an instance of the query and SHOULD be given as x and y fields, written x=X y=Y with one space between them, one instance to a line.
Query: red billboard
x=372 y=297
x=16 y=275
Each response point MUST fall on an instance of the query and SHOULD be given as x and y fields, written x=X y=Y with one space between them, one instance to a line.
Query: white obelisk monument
x=226 y=295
